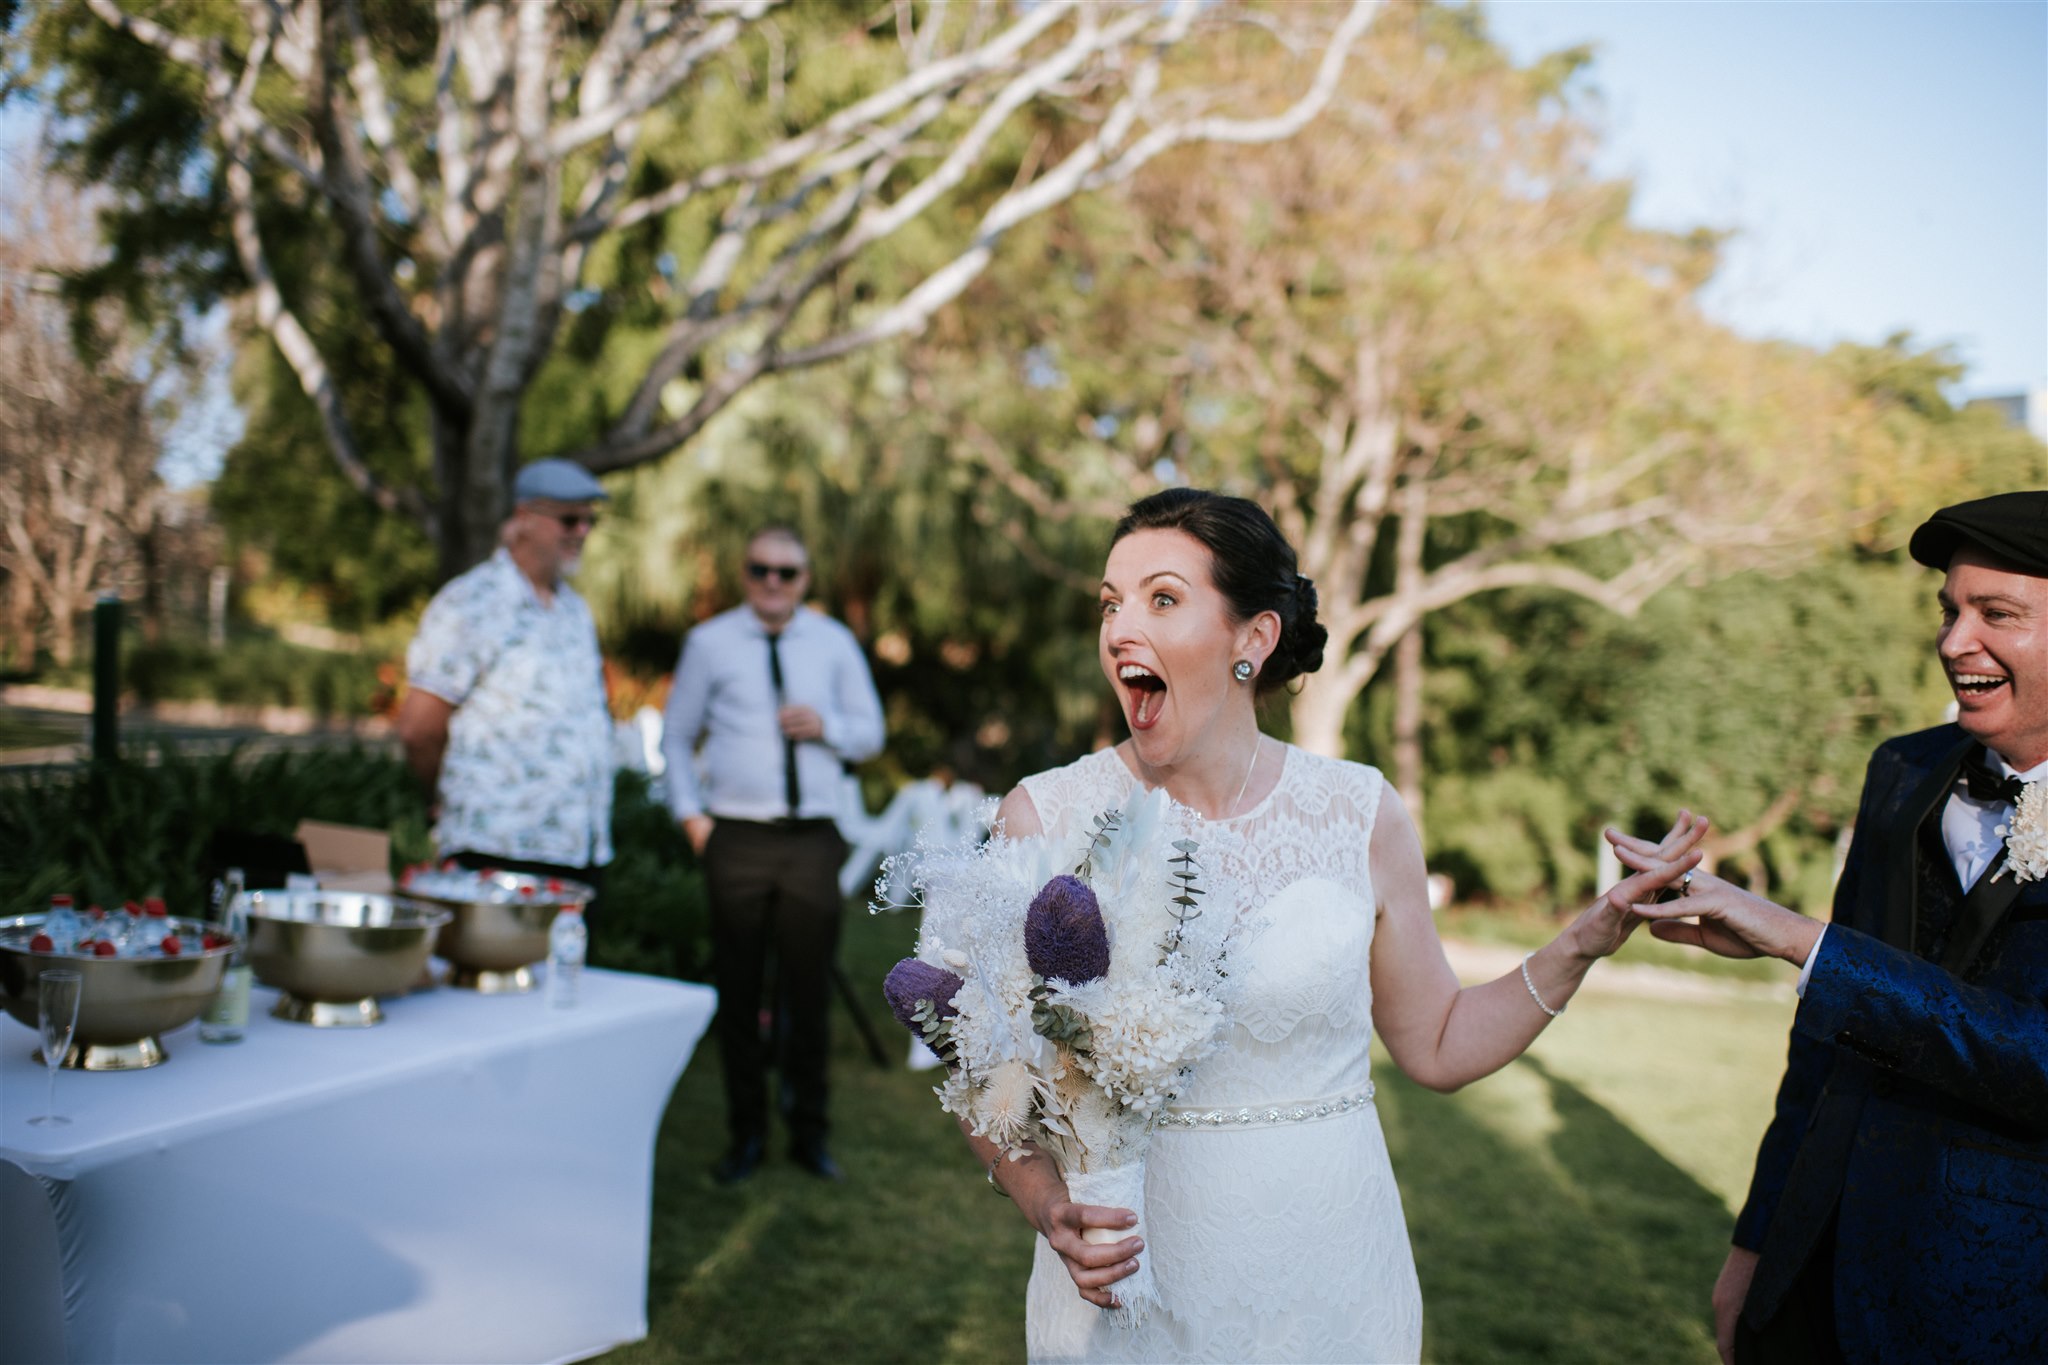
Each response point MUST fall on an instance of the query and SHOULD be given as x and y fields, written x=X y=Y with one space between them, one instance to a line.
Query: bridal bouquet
x=1069 y=1001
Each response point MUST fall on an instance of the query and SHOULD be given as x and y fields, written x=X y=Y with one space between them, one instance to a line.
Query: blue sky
x=1886 y=165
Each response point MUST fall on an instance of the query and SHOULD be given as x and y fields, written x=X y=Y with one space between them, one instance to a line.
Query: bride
x=1274 y=1226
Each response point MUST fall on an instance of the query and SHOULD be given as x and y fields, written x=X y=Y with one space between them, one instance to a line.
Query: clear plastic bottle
x=228 y=1014
x=568 y=942
x=63 y=924
x=152 y=929
x=118 y=927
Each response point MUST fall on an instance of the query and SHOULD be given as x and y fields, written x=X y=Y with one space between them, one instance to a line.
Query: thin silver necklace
x=1258 y=743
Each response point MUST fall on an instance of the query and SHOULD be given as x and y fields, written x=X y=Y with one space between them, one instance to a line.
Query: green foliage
x=278 y=494
x=251 y=669
x=1756 y=700
x=143 y=826
x=654 y=917
x=1060 y=1023
x=257 y=671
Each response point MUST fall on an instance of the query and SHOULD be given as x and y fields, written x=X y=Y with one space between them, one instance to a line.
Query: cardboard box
x=347 y=857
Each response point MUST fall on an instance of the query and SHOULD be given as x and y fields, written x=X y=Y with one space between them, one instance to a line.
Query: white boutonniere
x=2026 y=835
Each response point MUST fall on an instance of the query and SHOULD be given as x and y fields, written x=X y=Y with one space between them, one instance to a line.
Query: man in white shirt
x=504 y=720
x=771 y=702
x=1899 y=1209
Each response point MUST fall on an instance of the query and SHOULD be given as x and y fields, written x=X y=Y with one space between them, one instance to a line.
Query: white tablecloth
x=468 y=1181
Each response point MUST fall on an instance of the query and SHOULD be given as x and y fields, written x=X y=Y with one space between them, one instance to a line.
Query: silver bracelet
x=1553 y=1013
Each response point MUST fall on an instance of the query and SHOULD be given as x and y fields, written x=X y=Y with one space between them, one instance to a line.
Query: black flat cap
x=2012 y=527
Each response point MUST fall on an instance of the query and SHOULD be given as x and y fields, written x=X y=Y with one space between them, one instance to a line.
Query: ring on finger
x=1685 y=885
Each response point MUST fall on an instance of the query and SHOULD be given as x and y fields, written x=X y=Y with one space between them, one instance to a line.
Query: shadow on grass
x=1545 y=1229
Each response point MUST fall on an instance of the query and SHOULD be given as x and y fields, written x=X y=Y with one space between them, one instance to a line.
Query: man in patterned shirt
x=504 y=720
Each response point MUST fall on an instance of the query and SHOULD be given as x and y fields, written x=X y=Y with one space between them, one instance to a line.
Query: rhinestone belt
x=1262 y=1118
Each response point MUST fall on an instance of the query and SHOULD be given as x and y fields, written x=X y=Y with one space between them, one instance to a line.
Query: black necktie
x=1986 y=783
x=790 y=790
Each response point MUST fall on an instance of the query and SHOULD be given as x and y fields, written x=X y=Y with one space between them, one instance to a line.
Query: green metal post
x=106 y=678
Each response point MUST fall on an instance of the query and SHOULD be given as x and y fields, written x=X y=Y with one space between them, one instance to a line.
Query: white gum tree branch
x=495 y=169
x=275 y=315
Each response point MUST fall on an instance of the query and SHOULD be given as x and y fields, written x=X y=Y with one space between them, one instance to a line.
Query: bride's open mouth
x=1147 y=692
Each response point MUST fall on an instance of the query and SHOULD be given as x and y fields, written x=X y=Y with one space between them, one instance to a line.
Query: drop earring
x=1242 y=670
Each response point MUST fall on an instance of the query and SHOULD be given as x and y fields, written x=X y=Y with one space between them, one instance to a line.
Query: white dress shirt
x=723 y=699
x=1972 y=830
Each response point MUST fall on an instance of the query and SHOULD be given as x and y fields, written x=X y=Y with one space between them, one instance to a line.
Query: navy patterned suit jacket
x=1915 y=1104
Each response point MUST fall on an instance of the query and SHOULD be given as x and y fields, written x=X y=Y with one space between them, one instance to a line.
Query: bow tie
x=1987 y=784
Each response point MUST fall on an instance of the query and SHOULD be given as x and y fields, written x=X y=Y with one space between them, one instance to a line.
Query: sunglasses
x=781 y=573
x=575 y=521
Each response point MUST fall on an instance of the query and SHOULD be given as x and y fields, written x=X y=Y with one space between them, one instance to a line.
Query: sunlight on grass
x=1514 y=1107
x=1696 y=1079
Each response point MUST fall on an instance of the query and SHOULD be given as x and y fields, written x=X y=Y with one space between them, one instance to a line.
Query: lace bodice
x=1273 y=1241
x=1299 y=866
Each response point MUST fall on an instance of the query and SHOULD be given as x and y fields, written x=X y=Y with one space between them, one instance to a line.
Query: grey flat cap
x=557 y=481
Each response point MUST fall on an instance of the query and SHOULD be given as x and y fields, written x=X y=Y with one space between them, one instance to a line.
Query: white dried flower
x=2026 y=836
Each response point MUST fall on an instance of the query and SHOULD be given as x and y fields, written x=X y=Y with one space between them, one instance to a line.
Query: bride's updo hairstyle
x=1253 y=566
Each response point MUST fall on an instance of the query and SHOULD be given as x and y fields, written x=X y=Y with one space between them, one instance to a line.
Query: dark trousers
x=1802 y=1331
x=592 y=877
x=774 y=885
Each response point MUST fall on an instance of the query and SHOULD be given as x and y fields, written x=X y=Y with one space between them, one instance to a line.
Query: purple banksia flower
x=911 y=982
x=1064 y=937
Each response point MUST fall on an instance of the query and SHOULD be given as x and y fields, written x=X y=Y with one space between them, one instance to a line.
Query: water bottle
x=119 y=927
x=63 y=924
x=568 y=940
x=152 y=929
x=228 y=1013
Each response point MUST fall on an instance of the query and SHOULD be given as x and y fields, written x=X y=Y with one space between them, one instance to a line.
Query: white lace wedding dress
x=1273 y=1222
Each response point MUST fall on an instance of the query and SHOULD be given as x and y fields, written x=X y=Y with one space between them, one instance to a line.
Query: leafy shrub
x=255 y=671
x=142 y=827
x=251 y=670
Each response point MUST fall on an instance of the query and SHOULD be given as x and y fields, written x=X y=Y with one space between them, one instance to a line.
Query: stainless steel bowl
x=123 y=1002
x=332 y=953
x=494 y=938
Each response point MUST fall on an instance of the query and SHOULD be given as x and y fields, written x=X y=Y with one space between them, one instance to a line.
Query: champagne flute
x=57 y=995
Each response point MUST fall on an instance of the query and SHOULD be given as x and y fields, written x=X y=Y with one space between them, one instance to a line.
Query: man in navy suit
x=1899 y=1210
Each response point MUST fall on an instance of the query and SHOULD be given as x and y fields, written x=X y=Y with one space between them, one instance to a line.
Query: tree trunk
x=1408 y=677
x=474 y=467
x=1319 y=710
x=63 y=634
x=1409 y=540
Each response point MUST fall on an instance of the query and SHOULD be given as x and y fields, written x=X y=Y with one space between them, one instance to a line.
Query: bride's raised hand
x=1683 y=836
x=1094 y=1266
x=1610 y=920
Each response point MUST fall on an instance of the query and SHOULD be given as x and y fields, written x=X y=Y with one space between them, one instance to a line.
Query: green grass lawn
x=1573 y=1208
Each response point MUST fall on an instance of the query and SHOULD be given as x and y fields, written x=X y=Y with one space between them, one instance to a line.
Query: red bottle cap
x=154 y=905
x=60 y=901
x=133 y=908
x=170 y=946
x=42 y=943
x=103 y=949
